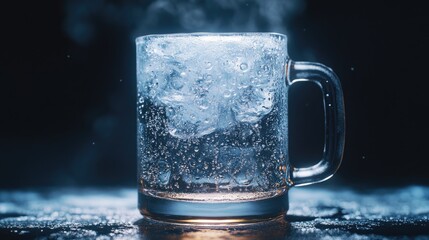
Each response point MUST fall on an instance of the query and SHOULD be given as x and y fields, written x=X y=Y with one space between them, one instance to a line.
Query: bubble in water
x=176 y=80
x=244 y=67
x=257 y=44
x=203 y=104
x=207 y=78
x=163 y=45
x=266 y=68
x=260 y=80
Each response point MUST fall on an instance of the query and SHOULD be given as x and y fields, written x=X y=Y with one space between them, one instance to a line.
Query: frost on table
x=314 y=213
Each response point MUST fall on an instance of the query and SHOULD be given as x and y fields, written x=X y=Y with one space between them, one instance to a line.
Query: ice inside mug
x=212 y=116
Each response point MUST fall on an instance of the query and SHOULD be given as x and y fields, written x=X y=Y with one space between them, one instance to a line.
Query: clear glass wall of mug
x=212 y=126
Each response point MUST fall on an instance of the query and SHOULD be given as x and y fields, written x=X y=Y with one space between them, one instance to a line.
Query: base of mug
x=213 y=213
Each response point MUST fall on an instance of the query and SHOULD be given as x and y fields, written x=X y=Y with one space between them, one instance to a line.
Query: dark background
x=67 y=83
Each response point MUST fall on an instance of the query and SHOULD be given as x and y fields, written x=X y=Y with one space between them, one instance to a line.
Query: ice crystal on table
x=314 y=213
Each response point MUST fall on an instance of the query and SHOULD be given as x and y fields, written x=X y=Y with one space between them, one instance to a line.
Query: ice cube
x=252 y=104
x=210 y=86
x=189 y=120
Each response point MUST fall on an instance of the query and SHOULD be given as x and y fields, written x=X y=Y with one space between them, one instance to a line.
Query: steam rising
x=162 y=16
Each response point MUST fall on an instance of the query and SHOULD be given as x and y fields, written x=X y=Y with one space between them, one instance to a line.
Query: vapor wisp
x=83 y=17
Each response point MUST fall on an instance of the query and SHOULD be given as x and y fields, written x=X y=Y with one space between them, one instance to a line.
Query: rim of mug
x=196 y=34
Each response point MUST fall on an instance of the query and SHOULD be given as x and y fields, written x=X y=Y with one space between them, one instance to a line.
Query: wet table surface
x=315 y=213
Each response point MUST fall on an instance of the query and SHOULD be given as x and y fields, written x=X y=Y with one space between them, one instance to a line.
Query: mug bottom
x=200 y=212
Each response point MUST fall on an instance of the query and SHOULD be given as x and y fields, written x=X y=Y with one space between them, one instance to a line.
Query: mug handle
x=333 y=103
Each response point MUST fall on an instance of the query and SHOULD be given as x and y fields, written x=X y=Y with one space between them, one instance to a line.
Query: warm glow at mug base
x=216 y=221
x=213 y=221
x=212 y=213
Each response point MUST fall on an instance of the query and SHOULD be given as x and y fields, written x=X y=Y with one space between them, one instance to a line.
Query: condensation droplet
x=164 y=173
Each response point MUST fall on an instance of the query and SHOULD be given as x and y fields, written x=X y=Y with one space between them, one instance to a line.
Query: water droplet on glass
x=257 y=44
x=266 y=68
x=164 y=172
x=207 y=77
x=209 y=65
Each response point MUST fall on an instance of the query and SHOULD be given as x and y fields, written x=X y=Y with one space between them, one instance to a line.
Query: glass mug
x=212 y=127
